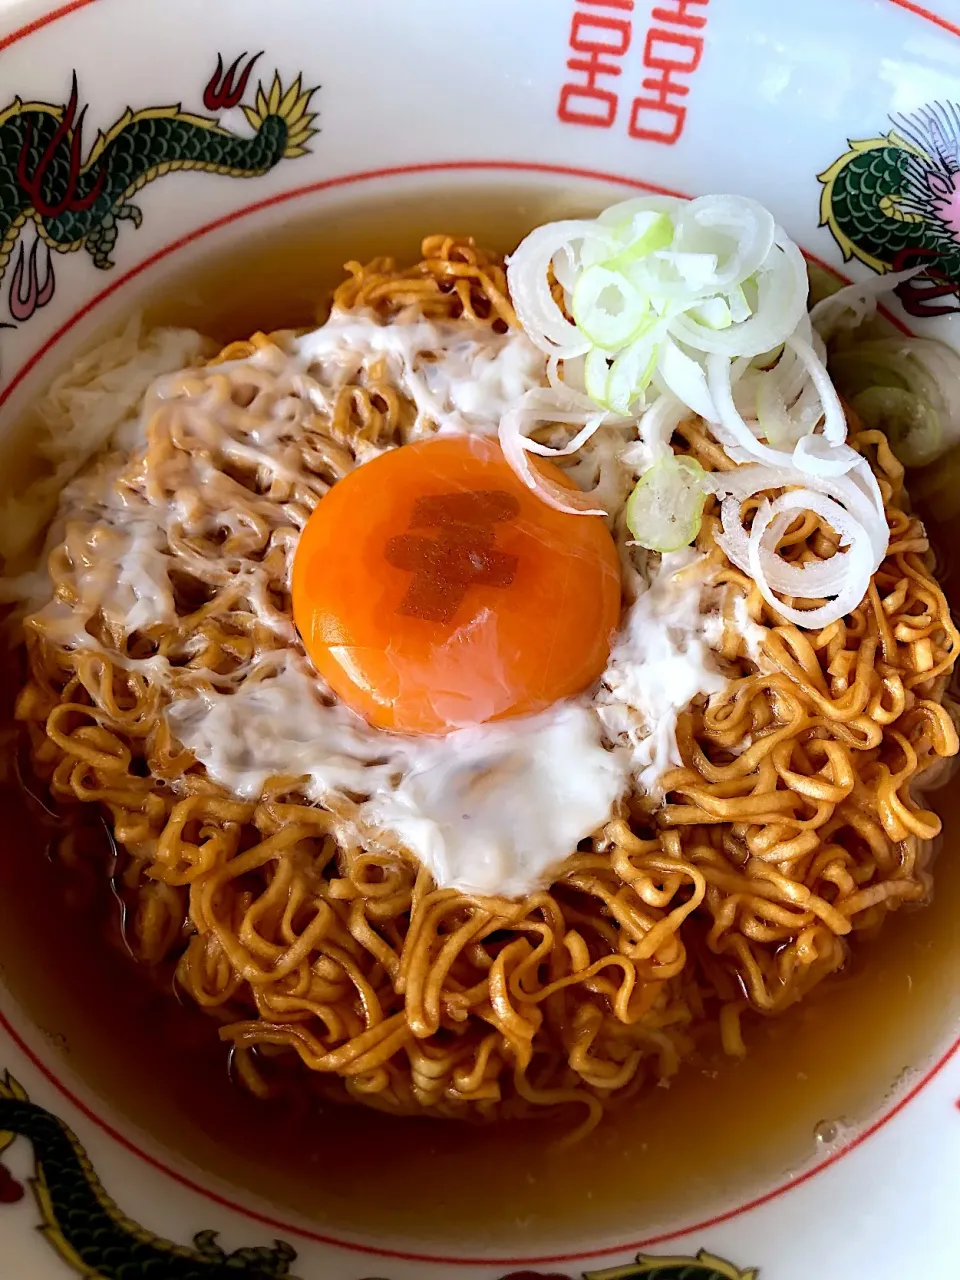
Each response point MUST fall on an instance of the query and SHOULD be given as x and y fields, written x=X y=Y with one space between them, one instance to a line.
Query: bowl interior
x=722 y=1130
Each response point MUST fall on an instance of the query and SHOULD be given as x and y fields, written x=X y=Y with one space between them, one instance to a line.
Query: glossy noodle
x=792 y=825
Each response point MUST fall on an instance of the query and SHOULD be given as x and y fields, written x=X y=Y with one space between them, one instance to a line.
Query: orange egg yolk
x=433 y=590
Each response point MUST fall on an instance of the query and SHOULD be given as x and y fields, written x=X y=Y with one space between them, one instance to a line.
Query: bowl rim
x=937 y=19
x=884 y=1114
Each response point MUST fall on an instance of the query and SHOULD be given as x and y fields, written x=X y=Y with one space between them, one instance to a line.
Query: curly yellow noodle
x=790 y=826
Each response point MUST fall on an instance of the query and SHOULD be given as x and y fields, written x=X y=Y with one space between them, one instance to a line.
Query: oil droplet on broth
x=827 y=1132
x=831 y=1135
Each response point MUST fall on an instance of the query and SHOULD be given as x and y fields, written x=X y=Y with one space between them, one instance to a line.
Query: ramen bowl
x=249 y=156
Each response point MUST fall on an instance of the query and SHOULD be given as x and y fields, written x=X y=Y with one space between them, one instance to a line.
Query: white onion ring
x=857 y=491
x=832 y=457
x=852 y=504
x=538 y=406
x=853 y=575
x=782 y=288
x=854 y=303
x=721 y=392
x=834 y=421
x=680 y=374
x=527 y=279
x=731 y=377
x=738 y=213
x=659 y=423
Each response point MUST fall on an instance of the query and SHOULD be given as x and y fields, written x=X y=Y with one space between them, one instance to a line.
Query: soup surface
x=721 y=1124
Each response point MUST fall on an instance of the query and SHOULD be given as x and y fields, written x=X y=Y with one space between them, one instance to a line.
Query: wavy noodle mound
x=790 y=828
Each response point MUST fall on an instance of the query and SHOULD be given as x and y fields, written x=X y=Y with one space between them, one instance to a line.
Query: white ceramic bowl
x=486 y=115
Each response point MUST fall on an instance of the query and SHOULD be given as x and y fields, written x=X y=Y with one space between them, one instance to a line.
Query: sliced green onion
x=615 y=386
x=609 y=310
x=767 y=359
x=666 y=297
x=696 y=270
x=856 y=370
x=922 y=420
x=908 y=422
x=751 y=292
x=739 y=307
x=778 y=427
x=665 y=510
x=631 y=374
x=596 y=370
x=665 y=307
x=657 y=233
x=686 y=379
x=714 y=313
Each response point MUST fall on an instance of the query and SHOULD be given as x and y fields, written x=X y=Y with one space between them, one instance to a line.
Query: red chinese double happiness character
x=598 y=40
x=655 y=116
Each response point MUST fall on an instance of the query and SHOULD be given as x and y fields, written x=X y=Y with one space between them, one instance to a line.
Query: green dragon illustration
x=94 y=1237
x=705 y=1266
x=89 y=1231
x=80 y=203
x=649 y=1266
x=893 y=201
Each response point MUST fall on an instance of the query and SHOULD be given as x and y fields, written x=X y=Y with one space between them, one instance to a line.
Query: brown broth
x=720 y=1133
